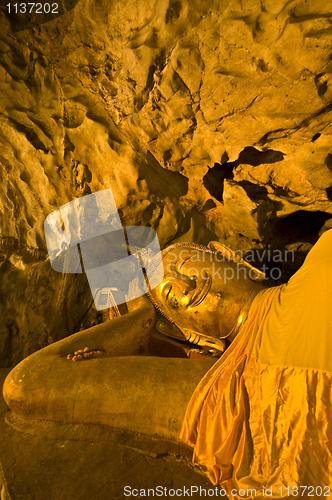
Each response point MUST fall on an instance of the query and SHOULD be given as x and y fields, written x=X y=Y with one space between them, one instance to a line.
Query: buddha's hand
x=85 y=353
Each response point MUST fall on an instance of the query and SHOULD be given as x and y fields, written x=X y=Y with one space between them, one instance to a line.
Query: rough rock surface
x=209 y=120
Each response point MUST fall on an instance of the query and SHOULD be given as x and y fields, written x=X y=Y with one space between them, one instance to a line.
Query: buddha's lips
x=200 y=293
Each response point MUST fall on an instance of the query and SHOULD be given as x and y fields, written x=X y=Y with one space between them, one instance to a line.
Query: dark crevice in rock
x=300 y=226
x=8 y=351
x=173 y=11
x=68 y=145
x=224 y=158
x=257 y=192
x=320 y=113
x=283 y=133
x=113 y=132
x=150 y=79
x=213 y=180
x=277 y=265
x=280 y=133
x=161 y=182
x=329 y=192
x=265 y=212
x=254 y=157
x=321 y=84
x=167 y=155
x=25 y=176
x=147 y=215
x=209 y=205
x=194 y=228
x=254 y=191
x=141 y=99
x=30 y=135
x=280 y=191
x=328 y=161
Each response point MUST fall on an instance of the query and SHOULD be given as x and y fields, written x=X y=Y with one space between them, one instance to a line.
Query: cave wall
x=209 y=120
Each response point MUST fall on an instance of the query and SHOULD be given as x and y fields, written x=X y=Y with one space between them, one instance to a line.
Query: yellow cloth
x=262 y=416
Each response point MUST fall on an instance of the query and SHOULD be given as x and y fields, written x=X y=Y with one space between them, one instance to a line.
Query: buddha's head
x=204 y=289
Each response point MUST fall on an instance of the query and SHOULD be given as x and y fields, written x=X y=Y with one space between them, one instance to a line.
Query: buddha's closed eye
x=186 y=273
x=185 y=260
x=169 y=291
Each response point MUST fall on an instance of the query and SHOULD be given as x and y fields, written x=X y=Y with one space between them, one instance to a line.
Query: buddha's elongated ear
x=229 y=254
x=170 y=329
x=212 y=344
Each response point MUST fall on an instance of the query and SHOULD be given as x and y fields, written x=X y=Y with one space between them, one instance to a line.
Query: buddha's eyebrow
x=185 y=260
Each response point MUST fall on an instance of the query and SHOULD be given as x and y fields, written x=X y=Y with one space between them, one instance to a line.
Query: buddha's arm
x=142 y=394
x=126 y=335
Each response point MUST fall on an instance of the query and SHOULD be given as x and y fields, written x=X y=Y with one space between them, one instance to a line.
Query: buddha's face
x=202 y=291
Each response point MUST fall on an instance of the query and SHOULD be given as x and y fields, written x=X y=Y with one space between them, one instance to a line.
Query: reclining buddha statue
x=257 y=417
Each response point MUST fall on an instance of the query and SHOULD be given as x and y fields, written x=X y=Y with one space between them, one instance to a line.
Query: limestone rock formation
x=209 y=120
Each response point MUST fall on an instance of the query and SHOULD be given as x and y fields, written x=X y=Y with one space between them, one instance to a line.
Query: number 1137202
x=305 y=491
x=33 y=8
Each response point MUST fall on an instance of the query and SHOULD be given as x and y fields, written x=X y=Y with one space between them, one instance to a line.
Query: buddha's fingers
x=127 y=335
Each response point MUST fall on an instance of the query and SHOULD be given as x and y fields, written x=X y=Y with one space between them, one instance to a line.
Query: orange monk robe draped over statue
x=262 y=415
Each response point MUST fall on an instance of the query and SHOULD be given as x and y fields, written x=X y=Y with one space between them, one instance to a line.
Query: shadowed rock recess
x=209 y=120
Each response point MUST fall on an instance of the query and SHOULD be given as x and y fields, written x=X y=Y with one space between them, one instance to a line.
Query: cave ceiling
x=208 y=120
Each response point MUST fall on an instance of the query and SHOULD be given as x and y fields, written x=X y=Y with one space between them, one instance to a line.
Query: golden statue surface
x=265 y=400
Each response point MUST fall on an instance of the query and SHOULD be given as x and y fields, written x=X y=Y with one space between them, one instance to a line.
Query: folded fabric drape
x=262 y=416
